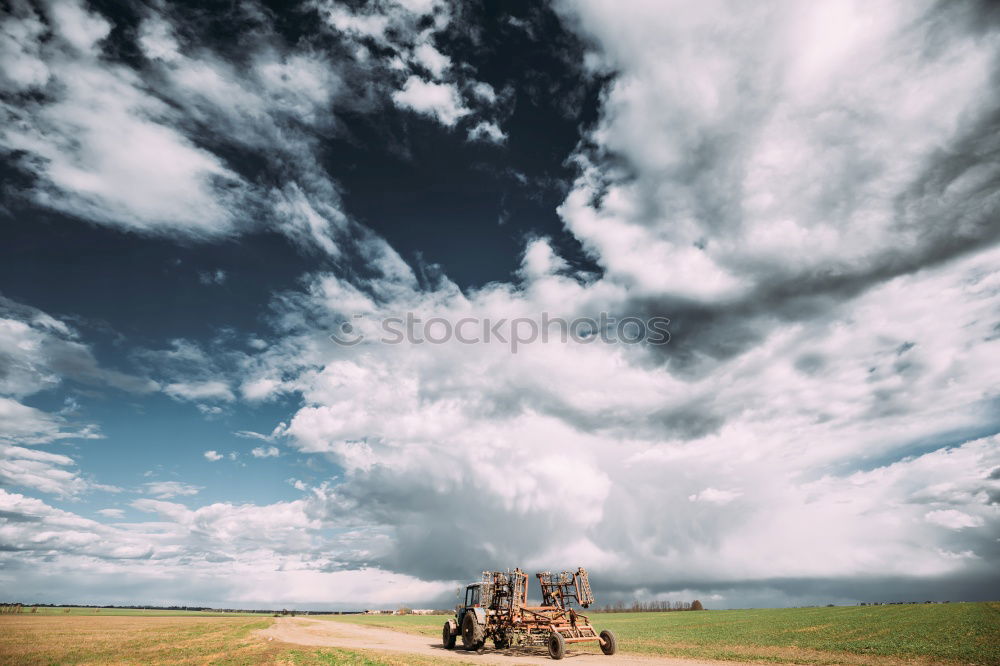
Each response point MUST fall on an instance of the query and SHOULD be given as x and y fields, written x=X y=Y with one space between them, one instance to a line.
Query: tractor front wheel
x=557 y=645
x=448 y=635
x=472 y=633
x=609 y=643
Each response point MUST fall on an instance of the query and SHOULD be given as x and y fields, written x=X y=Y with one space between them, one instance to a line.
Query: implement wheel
x=610 y=644
x=472 y=633
x=557 y=645
x=448 y=635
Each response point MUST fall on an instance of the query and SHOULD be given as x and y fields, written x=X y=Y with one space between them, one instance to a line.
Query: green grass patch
x=967 y=633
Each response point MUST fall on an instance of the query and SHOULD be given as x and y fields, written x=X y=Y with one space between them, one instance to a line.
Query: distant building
x=423 y=611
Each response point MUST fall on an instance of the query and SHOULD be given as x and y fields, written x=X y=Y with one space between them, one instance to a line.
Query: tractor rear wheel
x=610 y=644
x=448 y=635
x=472 y=633
x=557 y=645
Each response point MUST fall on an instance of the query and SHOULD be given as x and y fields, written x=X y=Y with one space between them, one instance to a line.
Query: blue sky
x=195 y=197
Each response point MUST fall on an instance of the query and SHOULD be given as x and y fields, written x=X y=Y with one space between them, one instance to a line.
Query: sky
x=210 y=211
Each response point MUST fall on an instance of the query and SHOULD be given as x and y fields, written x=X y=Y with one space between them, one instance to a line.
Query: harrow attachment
x=497 y=609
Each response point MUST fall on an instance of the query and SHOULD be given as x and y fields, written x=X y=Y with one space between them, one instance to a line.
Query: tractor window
x=472 y=596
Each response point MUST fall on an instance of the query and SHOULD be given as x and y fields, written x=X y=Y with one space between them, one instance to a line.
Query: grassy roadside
x=966 y=633
x=337 y=657
x=158 y=639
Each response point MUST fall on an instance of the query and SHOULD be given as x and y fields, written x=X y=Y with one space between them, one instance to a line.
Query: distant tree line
x=897 y=603
x=637 y=606
x=12 y=609
x=406 y=610
x=15 y=607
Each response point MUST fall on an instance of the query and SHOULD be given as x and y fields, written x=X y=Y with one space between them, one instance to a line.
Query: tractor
x=496 y=608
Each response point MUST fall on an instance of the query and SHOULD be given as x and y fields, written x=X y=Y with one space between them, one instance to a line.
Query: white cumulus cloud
x=441 y=101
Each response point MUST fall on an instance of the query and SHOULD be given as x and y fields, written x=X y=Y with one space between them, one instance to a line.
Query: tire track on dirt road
x=326 y=633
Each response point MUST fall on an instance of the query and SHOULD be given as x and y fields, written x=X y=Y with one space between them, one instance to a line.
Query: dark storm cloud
x=694 y=189
x=980 y=585
x=952 y=208
x=690 y=419
x=437 y=536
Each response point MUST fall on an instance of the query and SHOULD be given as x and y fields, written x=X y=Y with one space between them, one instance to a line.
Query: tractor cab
x=470 y=616
x=473 y=600
x=472 y=595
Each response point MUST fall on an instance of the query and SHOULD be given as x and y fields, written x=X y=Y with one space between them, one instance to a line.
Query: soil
x=306 y=631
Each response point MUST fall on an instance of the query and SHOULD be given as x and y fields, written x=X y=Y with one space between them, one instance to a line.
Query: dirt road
x=328 y=633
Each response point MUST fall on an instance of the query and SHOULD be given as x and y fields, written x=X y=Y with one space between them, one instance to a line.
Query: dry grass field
x=83 y=637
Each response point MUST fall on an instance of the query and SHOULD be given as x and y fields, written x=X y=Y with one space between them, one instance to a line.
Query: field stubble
x=153 y=638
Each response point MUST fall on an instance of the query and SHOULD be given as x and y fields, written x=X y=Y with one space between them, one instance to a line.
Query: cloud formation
x=51 y=473
x=147 y=145
x=438 y=100
x=780 y=232
x=808 y=192
x=92 y=136
x=751 y=155
x=818 y=425
x=168 y=489
x=39 y=353
x=247 y=555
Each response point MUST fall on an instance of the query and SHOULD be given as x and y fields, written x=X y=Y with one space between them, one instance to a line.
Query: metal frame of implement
x=504 y=616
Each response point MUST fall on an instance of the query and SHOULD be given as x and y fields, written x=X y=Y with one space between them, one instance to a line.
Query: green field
x=967 y=633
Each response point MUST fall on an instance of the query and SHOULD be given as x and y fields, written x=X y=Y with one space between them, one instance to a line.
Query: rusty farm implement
x=496 y=609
